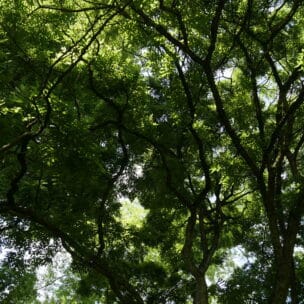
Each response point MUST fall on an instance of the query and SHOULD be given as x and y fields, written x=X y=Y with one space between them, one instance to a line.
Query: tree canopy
x=153 y=141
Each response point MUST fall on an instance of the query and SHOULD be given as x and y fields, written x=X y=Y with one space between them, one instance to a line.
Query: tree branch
x=214 y=29
x=225 y=121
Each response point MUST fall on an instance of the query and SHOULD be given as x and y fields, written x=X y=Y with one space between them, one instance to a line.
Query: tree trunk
x=283 y=241
x=283 y=275
x=294 y=288
x=201 y=292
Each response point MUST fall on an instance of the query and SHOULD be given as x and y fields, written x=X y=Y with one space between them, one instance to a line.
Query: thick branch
x=187 y=248
x=194 y=133
x=277 y=133
x=225 y=121
x=255 y=96
x=214 y=29
x=21 y=157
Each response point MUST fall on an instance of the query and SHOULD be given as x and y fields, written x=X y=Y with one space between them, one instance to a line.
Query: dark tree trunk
x=294 y=288
x=282 y=281
x=201 y=292
x=283 y=238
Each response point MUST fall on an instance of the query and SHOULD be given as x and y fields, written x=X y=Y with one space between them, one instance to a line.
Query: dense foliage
x=153 y=141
